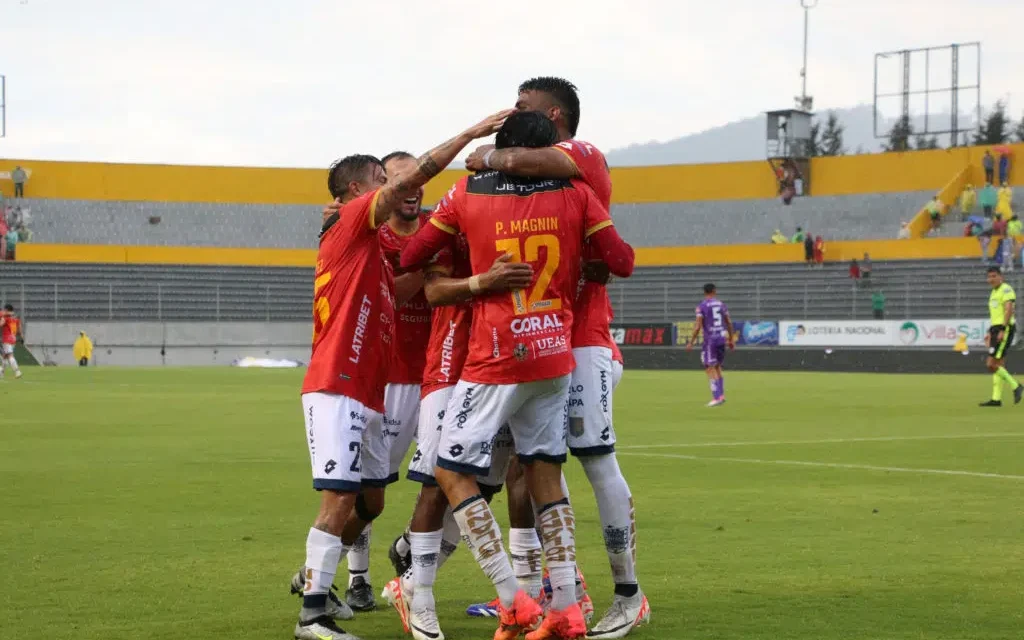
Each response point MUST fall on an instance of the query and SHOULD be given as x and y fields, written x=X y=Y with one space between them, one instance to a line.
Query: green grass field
x=175 y=504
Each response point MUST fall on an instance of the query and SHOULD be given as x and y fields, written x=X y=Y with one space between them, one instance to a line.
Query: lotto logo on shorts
x=330 y=466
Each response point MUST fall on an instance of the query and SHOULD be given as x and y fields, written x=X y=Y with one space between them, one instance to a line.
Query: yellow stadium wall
x=872 y=173
x=645 y=256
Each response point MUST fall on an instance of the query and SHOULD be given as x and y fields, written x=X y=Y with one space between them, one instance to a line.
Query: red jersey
x=449 y=333
x=353 y=308
x=524 y=335
x=9 y=329
x=593 y=309
x=412 y=319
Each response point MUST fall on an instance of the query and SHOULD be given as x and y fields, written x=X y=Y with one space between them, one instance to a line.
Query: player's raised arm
x=547 y=162
x=504 y=275
x=431 y=163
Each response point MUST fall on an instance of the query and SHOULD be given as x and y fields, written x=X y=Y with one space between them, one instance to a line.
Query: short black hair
x=348 y=169
x=709 y=288
x=8 y=307
x=994 y=269
x=531 y=129
x=563 y=93
x=397 y=155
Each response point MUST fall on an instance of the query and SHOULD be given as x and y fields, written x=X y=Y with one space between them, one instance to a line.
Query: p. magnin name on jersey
x=359 y=335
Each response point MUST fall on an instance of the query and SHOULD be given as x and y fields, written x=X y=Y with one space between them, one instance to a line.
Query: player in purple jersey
x=713 y=319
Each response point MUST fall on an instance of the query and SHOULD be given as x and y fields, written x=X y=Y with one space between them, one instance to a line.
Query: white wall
x=183 y=343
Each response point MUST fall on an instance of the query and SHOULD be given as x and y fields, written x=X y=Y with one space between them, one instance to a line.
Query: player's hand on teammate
x=596 y=271
x=332 y=208
x=489 y=125
x=505 y=275
x=475 y=161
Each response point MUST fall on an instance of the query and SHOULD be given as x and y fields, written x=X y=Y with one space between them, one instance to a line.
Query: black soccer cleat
x=403 y=563
x=359 y=596
x=1018 y=394
x=991 y=403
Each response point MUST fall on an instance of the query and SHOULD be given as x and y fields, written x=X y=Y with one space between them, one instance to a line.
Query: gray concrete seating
x=914 y=289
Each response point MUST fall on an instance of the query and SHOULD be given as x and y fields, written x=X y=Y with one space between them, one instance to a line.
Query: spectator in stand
x=999 y=227
x=1004 y=202
x=855 y=271
x=1004 y=168
x=984 y=240
x=878 y=305
x=1014 y=230
x=819 y=251
x=935 y=208
x=12 y=243
x=988 y=198
x=988 y=163
x=778 y=238
x=974 y=227
x=809 y=249
x=799 y=236
x=968 y=200
x=904 y=233
x=18 y=177
x=865 y=267
x=3 y=236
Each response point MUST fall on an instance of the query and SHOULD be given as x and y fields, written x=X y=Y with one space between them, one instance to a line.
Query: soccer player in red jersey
x=598 y=362
x=433 y=534
x=520 y=361
x=10 y=331
x=353 y=333
x=402 y=393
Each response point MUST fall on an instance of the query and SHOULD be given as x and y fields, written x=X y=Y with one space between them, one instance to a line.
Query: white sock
x=524 y=547
x=450 y=538
x=557 y=526
x=323 y=553
x=615 y=505
x=13 y=363
x=483 y=536
x=426 y=548
x=359 y=557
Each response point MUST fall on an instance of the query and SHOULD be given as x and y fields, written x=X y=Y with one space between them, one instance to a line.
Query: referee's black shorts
x=997 y=348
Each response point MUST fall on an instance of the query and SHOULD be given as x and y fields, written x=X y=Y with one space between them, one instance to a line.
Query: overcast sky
x=301 y=82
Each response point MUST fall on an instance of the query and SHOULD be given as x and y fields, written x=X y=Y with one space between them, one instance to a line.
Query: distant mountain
x=744 y=140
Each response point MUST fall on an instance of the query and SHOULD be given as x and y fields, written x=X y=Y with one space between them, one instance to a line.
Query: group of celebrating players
x=482 y=332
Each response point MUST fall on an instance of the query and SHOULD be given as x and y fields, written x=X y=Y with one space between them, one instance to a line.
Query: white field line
x=830 y=465
x=964 y=436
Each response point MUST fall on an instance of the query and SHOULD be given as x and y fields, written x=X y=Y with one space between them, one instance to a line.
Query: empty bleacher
x=914 y=289
x=57 y=221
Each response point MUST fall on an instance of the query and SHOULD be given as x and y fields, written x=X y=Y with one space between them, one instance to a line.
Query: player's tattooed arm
x=431 y=163
x=548 y=162
x=504 y=275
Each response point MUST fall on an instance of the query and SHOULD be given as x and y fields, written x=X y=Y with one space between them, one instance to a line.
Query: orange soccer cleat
x=524 y=614
x=566 y=624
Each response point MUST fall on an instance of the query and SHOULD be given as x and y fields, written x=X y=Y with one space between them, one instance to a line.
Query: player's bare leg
x=556 y=524
x=482 y=534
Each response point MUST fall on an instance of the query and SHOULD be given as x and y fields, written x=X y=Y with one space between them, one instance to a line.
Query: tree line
x=996 y=128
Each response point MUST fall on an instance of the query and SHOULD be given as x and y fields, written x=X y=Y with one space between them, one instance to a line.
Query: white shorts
x=535 y=413
x=428 y=437
x=386 y=447
x=336 y=428
x=7 y=349
x=591 y=432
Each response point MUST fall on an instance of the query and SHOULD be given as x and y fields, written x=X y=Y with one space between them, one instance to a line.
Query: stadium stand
x=915 y=288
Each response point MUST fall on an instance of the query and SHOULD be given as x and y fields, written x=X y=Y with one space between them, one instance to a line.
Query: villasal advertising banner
x=901 y=334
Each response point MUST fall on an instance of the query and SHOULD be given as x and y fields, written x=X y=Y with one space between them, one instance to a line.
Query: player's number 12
x=530 y=250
